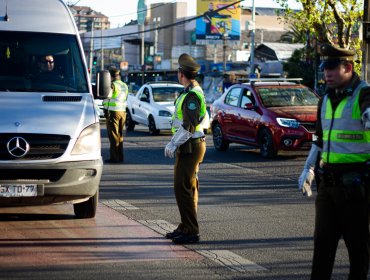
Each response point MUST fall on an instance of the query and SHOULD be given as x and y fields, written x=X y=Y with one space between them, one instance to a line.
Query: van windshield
x=40 y=62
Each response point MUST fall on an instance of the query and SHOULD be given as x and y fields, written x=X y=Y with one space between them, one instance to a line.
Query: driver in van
x=46 y=71
x=46 y=63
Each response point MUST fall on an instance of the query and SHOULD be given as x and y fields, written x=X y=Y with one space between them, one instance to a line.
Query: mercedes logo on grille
x=18 y=147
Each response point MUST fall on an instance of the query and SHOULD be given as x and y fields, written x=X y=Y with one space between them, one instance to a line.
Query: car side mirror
x=249 y=106
x=103 y=84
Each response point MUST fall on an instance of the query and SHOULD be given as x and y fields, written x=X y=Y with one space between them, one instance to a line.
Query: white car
x=153 y=106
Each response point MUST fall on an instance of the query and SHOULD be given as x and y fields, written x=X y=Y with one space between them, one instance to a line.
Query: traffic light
x=95 y=60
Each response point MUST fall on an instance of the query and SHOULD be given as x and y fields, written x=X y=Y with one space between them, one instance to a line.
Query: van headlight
x=88 y=141
x=288 y=122
x=163 y=113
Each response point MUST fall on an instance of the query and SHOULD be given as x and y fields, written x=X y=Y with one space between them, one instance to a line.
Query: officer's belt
x=197 y=140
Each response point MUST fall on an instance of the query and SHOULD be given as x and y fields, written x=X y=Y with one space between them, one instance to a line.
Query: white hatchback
x=153 y=106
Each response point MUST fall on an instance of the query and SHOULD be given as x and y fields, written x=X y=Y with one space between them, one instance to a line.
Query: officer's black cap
x=332 y=56
x=114 y=72
x=187 y=63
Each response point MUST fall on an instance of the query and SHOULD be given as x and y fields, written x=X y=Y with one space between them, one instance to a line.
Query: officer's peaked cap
x=187 y=63
x=114 y=72
x=332 y=56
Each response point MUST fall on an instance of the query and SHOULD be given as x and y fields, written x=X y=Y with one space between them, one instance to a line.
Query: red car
x=272 y=115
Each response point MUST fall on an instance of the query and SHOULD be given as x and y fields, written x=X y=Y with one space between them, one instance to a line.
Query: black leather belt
x=197 y=140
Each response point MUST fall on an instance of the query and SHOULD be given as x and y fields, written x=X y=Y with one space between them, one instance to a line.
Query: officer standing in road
x=189 y=146
x=343 y=139
x=115 y=114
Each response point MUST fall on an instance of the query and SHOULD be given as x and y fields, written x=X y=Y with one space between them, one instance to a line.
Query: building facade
x=87 y=19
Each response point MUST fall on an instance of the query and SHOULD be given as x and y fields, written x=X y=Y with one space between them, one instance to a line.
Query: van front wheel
x=86 y=209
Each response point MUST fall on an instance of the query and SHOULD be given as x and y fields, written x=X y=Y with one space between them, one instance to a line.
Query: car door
x=247 y=117
x=229 y=112
x=140 y=110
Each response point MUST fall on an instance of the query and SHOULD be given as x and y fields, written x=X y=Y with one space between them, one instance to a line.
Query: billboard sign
x=215 y=24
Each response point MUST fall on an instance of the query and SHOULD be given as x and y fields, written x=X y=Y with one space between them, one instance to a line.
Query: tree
x=296 y=66
x=330 y=21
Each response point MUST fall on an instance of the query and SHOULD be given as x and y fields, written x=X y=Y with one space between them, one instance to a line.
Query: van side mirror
x=103 y=84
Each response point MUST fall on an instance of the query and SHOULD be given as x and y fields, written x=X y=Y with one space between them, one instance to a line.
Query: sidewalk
x=30 y=237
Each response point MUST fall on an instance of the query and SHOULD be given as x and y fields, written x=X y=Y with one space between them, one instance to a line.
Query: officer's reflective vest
x=345 y=138
x=177 y=117
x=119 y=96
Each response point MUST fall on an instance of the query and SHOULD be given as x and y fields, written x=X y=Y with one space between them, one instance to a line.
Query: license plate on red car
x=18 y=190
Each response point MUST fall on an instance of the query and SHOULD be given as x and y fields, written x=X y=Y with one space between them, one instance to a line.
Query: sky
x=123 y=11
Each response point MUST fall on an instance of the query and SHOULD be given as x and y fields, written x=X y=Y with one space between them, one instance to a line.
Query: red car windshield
x=285 y=96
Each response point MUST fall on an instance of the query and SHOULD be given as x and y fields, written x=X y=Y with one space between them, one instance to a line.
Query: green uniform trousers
x=115 y=123
x=186 y=186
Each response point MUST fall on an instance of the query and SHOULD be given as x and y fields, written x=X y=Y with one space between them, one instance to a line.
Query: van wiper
x=4 y=89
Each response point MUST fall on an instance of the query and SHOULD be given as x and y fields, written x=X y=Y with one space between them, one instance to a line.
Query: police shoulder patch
x=192 y=105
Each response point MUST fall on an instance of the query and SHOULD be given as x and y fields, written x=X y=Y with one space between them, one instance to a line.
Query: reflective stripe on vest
x=345 y=138
x=119 y=96
x=177 y=116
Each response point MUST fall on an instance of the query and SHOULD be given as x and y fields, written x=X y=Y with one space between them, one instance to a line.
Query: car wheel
x=86 y=209
x=266 y=144
x=130 y=124
x=152 y=127
x=218 y=139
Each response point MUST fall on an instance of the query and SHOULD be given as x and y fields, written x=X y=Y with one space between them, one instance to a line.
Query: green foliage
x=301 y=65
x=329 y=21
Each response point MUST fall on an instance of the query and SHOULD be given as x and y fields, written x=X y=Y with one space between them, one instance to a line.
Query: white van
x=50 y=149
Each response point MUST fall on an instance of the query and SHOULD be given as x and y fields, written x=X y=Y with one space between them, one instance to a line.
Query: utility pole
x=252 y=39
x=141 y=16
x=366 y=41
x=224 y=38
x=91 y=48
x=156 y=24
x=102 y=49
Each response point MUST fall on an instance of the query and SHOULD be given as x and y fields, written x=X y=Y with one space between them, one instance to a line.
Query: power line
x=164 y=26
x=160 y=5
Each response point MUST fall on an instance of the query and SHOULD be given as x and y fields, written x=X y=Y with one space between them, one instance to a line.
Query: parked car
x=271 y=114
x=153 y=106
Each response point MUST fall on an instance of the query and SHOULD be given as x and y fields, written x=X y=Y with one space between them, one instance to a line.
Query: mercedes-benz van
x=50 y=149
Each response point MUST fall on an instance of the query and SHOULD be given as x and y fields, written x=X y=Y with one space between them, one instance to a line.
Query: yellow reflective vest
x=177 y=117
x=344 y=136
x=117 y=102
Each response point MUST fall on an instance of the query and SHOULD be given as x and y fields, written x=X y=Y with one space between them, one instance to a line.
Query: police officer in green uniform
x=115 y=114
x=188 y=145
x=343 y=148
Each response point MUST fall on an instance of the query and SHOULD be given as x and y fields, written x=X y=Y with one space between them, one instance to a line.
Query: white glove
x=179 y=138
x=305 y=181
x=366 y=118
x=170 y=149
x=307 y=175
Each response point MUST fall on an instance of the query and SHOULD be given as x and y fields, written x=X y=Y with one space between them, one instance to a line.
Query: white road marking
x=230 y=260
x=159 y=226
x=224 y=258
x=118 y=204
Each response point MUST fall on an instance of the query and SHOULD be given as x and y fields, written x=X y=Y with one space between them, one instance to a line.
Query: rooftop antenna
x=6 y=17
